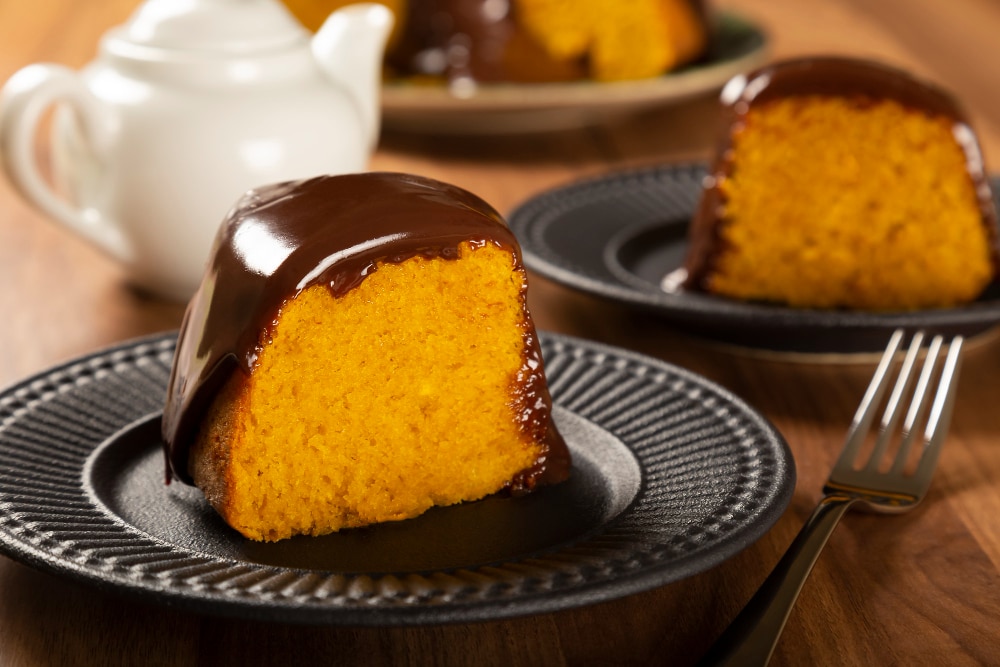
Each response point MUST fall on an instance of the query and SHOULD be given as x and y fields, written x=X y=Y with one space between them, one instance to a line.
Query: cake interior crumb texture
x=376 y=405
x=850 y=202
x=620 y=40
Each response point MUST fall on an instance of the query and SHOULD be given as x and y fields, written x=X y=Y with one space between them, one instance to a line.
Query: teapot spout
x=349 y=47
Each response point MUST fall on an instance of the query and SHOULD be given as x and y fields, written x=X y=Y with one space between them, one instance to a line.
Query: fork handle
x=751 y=636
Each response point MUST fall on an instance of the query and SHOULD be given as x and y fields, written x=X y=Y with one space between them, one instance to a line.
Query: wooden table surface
x=916 y=589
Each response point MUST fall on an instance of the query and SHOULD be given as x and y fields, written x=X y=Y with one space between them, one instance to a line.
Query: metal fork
x=751 y=637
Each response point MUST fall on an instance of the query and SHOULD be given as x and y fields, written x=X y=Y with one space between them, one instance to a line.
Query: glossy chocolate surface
x=861 y=80
x=333 y=231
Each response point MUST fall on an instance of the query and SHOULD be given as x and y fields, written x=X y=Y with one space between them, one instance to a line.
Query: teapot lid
x=212 y=26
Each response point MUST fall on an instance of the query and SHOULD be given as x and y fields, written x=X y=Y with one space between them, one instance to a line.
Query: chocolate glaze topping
x=463 y=39
x=861 y=80
x=333 y=231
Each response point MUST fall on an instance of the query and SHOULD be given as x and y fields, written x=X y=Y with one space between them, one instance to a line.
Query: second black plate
x=616 y=237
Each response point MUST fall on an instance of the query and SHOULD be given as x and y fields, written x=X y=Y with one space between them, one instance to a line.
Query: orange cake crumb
x=630 y=39
x=845 y=199
x=389 y=433
x=875 y=237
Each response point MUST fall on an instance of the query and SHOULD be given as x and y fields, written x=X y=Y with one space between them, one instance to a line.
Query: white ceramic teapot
x=189 y=104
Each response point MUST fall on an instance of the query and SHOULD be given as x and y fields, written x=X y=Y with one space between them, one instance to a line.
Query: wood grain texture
x=917 y=589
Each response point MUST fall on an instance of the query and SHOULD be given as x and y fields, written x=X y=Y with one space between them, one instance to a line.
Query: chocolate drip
x=862 y=81
x=331 y=230
x=465 y=39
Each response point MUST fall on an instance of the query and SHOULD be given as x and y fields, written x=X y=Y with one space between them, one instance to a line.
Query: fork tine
x=892 y=411
x=865 y=414
x=917 y=406
x=940 y=418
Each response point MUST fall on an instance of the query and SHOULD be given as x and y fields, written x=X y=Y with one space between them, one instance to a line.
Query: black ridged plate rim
x=712 y=477
x=618 y=235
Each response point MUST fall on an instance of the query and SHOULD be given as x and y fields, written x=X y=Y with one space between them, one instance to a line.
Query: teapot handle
x=24 y=99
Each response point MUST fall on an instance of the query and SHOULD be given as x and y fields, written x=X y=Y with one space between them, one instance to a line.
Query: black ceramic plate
x=618 y=236
x=671 y=476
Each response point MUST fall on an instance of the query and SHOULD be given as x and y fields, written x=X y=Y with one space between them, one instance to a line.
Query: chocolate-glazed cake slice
x=843 y=183
x=359 y=350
